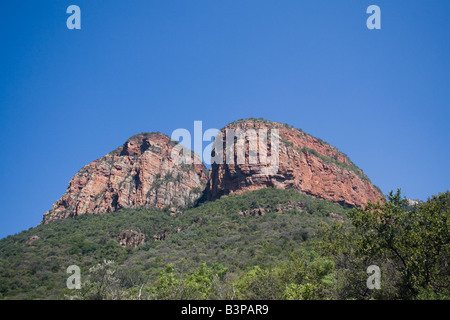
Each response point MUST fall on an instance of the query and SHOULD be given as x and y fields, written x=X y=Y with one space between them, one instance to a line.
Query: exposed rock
x=252 y=212
x=161 y=236
x=139 y=173
x=32 y=239
x=412 y=203
x=305 y=163
x=290 y=205
x=175 y=211
x=131 y=238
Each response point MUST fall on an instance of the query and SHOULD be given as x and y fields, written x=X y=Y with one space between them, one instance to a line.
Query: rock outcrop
x=280 y=208
x=289 y=206
x=252 y=212
x=131 y=238
x=32 y=239
x=142 y=173
x=307 y=164
x=139 y=173
x=161 y=236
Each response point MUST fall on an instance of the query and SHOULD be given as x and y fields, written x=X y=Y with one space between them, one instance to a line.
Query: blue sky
x=67 y=97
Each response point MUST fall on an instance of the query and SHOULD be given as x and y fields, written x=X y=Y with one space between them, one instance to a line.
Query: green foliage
x=212 y=233
x=304 y=276
x=101 y=283
x=211 y=252
x=410 y=246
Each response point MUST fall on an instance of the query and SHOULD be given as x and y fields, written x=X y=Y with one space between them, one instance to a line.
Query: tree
x=411 y=246
x=102 y=283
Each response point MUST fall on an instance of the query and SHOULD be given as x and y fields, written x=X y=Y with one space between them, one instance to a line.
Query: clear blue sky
x=69 y=97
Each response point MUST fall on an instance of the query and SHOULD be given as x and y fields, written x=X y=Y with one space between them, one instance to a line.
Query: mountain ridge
x=141 y=172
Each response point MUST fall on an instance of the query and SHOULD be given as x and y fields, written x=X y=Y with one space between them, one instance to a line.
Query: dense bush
x=212 y=233
x=411 y=246
x=212 y=252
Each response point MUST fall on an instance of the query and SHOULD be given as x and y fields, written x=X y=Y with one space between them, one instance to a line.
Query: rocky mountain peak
x=142 y=173
x=305 y=163
x=138 y=173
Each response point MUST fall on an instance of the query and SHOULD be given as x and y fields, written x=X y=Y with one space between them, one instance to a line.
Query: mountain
x=143 y=242
x=296 y=228
x=305 y=163
x=140 y=173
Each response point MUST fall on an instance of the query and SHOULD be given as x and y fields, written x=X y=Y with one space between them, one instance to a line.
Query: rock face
x=305 y=163
x=142 y=173
x=32 y=239
x=139 y=173
x=131 y=238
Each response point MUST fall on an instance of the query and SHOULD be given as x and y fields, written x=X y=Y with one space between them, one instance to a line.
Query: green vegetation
x=211 y=233
x=411 y=247
x=212 y=252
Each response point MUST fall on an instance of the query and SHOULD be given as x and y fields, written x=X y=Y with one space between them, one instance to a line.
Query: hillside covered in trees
x=265 y=244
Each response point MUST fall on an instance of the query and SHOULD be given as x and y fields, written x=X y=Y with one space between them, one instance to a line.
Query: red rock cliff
x=305 y=163
x=139 y=173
